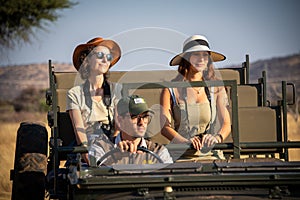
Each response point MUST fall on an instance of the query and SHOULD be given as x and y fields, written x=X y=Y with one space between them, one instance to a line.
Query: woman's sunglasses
x=100 y=55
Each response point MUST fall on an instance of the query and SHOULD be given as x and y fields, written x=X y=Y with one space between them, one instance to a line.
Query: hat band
x=195 y=43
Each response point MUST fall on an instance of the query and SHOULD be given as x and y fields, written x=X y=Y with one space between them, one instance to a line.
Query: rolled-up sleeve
x=165 y=155
x=73 y=99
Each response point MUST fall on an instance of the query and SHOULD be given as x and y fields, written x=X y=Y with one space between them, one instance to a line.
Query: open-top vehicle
x=257 y=164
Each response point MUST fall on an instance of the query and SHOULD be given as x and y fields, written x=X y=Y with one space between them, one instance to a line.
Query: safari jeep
x=257 y=163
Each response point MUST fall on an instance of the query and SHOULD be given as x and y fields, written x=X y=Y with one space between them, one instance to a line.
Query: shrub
x=31 y=100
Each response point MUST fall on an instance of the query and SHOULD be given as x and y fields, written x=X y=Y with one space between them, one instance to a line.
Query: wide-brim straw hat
x=196 y=43
x=82 y=50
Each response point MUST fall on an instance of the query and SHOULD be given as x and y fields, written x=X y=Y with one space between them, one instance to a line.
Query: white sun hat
x=196 y=43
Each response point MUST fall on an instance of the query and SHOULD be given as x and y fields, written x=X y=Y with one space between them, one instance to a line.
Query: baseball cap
x=133 y=104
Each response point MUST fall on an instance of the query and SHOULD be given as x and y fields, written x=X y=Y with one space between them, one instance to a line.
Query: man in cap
x=133 y=119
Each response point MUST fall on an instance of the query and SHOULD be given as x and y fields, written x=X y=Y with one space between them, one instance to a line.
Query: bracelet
x=221 y=137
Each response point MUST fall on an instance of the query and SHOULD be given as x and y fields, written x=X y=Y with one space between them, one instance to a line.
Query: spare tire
x=30 y=165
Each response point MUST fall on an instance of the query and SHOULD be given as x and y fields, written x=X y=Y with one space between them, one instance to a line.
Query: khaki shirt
x=76 y=100
x=101 y=145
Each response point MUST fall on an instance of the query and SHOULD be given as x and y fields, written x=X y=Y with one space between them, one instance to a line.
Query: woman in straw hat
x=91 y=104
x=195 y=110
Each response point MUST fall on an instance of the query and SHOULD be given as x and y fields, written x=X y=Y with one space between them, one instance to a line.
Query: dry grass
x=8 y=132
x=7 y=148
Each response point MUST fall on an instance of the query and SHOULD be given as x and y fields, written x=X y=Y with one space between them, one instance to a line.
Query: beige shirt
x=194 y=119
x=192 y=122
x=98 y=113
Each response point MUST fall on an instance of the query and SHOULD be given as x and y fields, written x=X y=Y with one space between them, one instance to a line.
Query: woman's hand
x=209 y=140
x=196 y=142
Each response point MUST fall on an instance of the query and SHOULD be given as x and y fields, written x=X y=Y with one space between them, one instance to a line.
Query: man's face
x=134 y=125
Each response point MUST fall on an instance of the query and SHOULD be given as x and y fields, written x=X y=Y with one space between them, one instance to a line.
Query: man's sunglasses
x=137 y=118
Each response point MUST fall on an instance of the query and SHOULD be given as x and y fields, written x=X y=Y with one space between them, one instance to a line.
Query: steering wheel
x=113 y=153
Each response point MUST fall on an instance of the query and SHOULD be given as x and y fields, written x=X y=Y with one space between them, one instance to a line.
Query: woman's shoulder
x=75 y=89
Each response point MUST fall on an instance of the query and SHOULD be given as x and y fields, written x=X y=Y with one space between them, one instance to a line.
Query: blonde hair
x=84 y=69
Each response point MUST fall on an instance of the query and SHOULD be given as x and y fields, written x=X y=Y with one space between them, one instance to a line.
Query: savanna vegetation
x=29 y=106
x=19 y=21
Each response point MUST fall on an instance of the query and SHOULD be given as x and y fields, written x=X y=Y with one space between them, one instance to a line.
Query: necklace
x=197 y=90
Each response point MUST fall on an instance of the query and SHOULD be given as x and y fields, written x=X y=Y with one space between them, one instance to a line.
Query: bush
x=31 y=100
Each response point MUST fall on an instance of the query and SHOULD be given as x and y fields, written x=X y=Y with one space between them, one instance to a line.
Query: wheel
x=116 y=155
x=30 y=165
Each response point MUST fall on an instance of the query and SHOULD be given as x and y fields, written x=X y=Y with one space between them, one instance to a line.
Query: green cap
x=134 y=104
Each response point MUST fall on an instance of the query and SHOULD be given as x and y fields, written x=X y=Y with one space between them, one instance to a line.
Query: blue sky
x=150 y=33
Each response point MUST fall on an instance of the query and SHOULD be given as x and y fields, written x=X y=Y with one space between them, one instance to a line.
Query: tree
x=19 y=18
